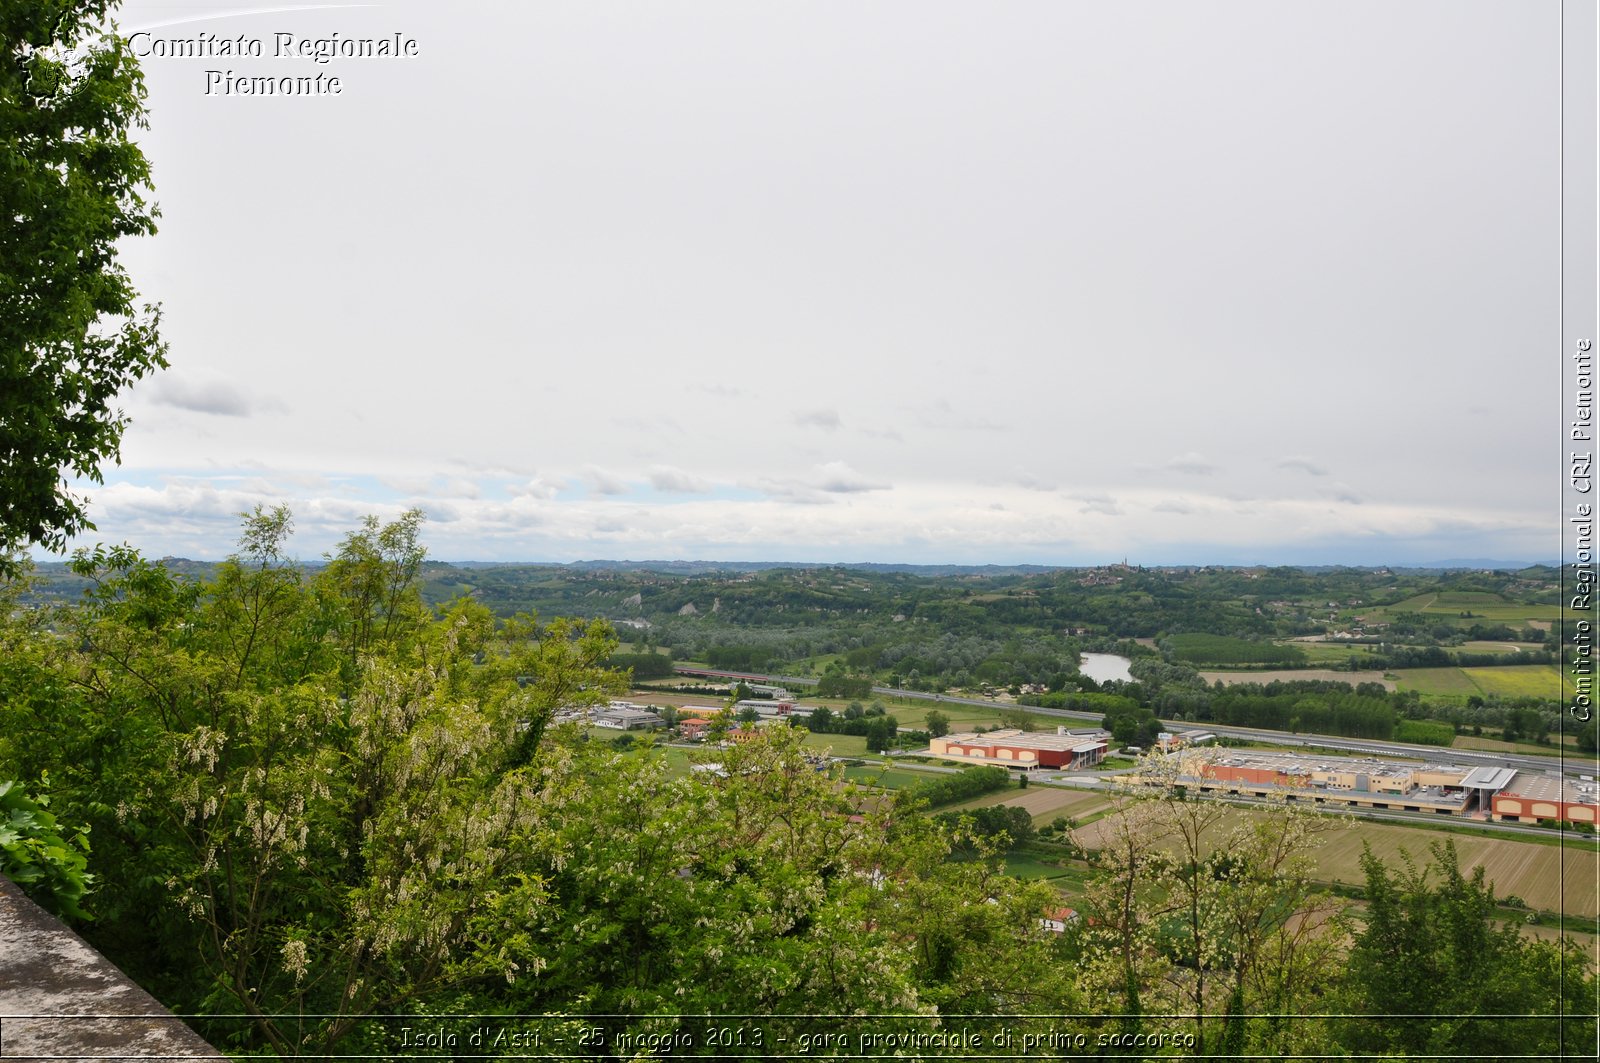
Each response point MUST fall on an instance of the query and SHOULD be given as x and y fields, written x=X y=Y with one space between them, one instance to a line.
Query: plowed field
x=1545 y=876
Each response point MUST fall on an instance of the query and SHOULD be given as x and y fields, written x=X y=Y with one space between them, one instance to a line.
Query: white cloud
x=604 y=483
x=433 y=486
x=1305 y=465
x=1191 y=464
x=837 y=477
x=217 y=397
x=668 y=478
x=819 y=485
x=1343 y=492
x=937 y=334
x=537 y=487
x=928 y=522
x=943 y=415
x=1031 y=482
x=1104 y=505
x=827 y=420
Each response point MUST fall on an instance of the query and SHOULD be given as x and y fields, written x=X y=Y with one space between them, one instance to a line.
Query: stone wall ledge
x=61 y=1000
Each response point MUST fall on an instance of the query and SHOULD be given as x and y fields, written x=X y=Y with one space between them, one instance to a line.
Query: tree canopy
x=1434 y=973
x=72 y=335
x=315 y=801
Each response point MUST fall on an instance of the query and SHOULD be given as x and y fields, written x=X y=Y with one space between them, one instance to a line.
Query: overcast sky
x=1054 y=282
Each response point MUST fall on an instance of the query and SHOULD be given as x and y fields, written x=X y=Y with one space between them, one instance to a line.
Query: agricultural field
x=1064 y=873
x=678 y=761
x=1290 y=675
x=1521 y=681
x=1329 y=653
x=1547 y=877
x=1590 y=942
x=839 y=745
x=1196 y=648
x=885 y=777
x=1494 y=745
x=1030 y=867
x=1511 y=681
x=1451 y=682
x=913 y=714
x=1449 y=605
x=1480 y=646
x=1043 y=803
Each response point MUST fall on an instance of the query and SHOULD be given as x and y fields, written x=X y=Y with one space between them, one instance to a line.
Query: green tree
x=937 y=723
x=769 y=898
x=1433 y=949
x=285 y=842
x=880 y=732
x=1021 y=719
x=71 y=334
x=1198 y=912
x=1003 y=826
x=374 y=578
x=973 y=933
x=1589 y=736
x=33 y=853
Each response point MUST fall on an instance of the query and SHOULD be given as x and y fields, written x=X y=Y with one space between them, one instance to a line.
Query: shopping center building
x=1442 y=788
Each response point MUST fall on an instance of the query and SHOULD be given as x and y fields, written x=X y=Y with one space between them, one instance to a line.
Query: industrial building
x=1378 y=783
x=1170 y=740
x=1531 y=798
x=768 y=709
x=1011 y=748
x=626 y=716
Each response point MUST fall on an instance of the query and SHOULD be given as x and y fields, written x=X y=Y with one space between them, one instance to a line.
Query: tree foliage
x=1433 y=964
x=315 y=800
x=1200 y=912
x=309 y=837
x=72 y=184
x=34 y=853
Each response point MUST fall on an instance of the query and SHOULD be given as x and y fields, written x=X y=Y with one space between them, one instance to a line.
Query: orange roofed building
x=1011 y=748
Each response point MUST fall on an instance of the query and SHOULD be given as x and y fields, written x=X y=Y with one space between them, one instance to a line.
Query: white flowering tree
x=1208 y=910
x=762 y=885
x=290 y=834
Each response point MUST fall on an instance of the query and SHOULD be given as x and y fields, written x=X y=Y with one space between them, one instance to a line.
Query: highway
x=1359 y=746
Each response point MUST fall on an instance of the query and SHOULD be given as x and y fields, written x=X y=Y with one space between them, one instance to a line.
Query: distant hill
x=1484 y=562
x=697 y=568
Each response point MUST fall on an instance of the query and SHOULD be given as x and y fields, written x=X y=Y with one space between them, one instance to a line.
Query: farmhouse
x=1056 y=919
x=694 y=727
x=1012 y=748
